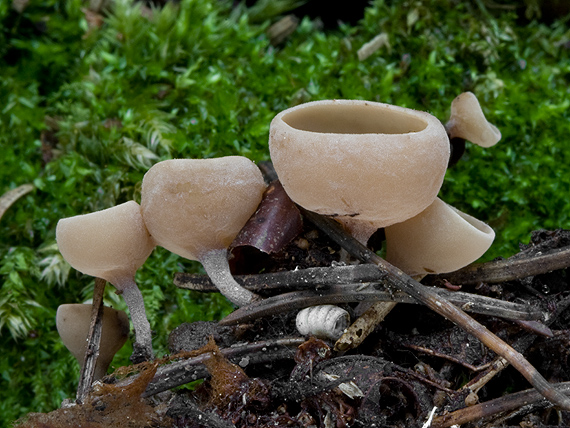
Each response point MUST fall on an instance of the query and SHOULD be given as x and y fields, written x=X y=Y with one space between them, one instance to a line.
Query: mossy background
x=84 y=112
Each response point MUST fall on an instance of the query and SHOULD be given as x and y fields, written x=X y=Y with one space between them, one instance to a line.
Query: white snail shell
x=324 y=321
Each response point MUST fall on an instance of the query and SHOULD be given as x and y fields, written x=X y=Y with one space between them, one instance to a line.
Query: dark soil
x=414 y=361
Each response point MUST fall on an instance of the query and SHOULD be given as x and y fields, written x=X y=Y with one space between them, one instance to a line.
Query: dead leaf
x=8 y=198
x=276 y=222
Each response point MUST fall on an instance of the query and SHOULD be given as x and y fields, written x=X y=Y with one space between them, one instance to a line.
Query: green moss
x=200 y=79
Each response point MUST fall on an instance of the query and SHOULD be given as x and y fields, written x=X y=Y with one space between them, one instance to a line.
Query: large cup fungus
x=73 y=320
x=112 y=244
x=368 y=164
x=440 y=239
x=373 y=165
x=196 y=207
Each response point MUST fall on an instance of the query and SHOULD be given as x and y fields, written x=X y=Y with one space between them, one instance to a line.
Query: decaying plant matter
x=264 y=374
x=107 y=405
x=341 y=375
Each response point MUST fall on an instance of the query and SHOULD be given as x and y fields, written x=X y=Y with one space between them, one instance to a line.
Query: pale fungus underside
x=72 y=321
x=112 y=244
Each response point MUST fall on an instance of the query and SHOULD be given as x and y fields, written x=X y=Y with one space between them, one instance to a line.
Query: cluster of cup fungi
x=366 y=164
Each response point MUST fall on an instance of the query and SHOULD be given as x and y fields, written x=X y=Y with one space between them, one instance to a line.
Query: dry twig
x=521 y=344
x=315 y=278
x=442 y=306
x=93 y=341
x=498 y=405
x=282 y=29
x=190 y=369
x=511 y=268
x=348 y=293
x=365 y=324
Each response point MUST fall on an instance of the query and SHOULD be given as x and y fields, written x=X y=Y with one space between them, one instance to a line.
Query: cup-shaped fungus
x=438 y=240
x=73 y=321
x=368 y=164
x=112 y=244
x=468 y=121
x=196 y=207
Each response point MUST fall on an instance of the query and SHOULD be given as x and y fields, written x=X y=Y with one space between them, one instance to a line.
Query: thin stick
x=496 y=366
x=282 y=29
x=499 y=405
x=190 y=369
x=363 y=326
x=342 y=284
x=281 y=282
x=521 y=344
x=441 y=306
x=351 y=293
x=510 y=269
x=93 y=341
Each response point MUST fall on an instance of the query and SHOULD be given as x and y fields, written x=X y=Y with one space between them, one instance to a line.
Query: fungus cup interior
x=368 y=164
x=358 y=119
x=112 y=244
x=196 y=207
x=73 y=322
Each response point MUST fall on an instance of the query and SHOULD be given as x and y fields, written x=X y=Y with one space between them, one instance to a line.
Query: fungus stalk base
x=135 y=303
x=362 y=230
x=215 y=263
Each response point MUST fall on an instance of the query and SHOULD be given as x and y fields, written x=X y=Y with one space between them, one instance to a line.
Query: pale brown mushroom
x=368 y=164
x=438 y=240
x=196 y=207
x=112 y=244
x=468 y=121
x=73 y=320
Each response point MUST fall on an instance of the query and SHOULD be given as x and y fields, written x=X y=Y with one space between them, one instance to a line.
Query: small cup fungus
x=73 y=320
x=438 y=240
x=368 y=164
x=112 y=244
x=468 y=121
x=196 y=207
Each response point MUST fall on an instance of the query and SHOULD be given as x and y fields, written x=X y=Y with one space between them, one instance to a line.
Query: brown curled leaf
x=275 y=223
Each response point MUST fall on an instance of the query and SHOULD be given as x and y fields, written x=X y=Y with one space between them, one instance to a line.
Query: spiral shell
x=324 y=321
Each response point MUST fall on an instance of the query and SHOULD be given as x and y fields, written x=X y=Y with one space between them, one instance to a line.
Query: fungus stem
x=216 y=264
x=134 y=300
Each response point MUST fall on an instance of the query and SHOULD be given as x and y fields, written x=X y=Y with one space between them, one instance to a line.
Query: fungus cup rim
x=344 y=110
